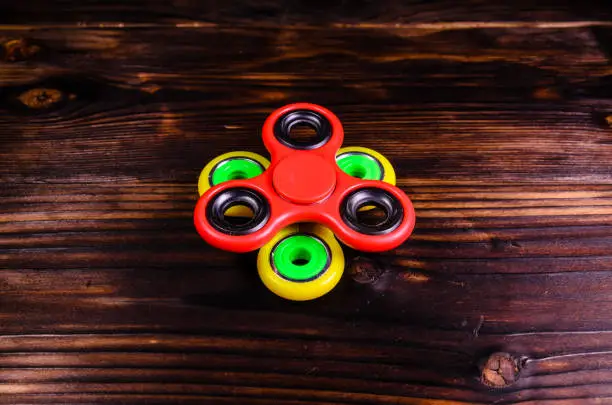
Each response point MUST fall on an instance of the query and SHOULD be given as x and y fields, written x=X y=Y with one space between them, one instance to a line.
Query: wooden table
x=496 y=115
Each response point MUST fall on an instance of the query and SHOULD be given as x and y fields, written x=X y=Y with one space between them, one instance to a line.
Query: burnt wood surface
x=496 y=116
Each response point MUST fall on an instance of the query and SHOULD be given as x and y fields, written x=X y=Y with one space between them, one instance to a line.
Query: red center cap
x=304 y=178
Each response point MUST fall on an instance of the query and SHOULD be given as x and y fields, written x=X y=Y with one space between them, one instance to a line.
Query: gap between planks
x=434 y=26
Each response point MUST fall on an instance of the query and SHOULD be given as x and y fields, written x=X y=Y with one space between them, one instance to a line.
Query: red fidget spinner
x=304 y=184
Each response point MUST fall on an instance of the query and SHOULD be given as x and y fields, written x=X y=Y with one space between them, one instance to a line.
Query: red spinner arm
x=304 y=184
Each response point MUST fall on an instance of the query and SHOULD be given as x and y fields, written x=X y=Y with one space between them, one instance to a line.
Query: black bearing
x=394 y=212
x=312 y=119
x=231 y=197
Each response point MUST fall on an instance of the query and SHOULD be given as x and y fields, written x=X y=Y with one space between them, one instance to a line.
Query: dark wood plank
x=135 y=398
x=499 y=135
x=296 y=12
x=470 y=61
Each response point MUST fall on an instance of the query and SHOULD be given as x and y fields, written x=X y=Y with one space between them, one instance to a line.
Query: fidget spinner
x=296 y=207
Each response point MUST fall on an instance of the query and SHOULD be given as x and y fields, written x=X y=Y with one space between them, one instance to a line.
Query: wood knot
x=500 y=370
x=17 y=50
x=364 y=270
x=41 y=98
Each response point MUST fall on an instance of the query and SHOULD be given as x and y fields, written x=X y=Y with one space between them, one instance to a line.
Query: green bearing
x=360 y=165
x=235 y=169
x=300 y=257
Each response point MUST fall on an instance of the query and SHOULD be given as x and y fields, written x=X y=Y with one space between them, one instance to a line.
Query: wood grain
x=500 y=134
